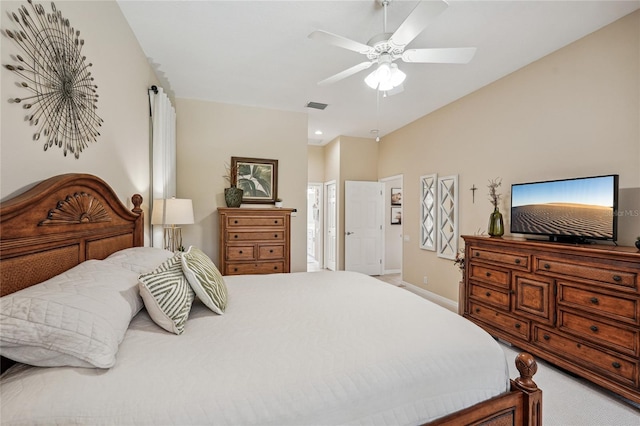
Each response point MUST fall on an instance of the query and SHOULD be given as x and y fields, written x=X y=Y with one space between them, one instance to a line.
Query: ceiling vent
x=317 y=105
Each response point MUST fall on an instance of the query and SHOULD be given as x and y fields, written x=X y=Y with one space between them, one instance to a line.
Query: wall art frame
x=257 y=177
x=396 y=215
x=428 y=211
x=63 y=97
x=396 y=196
x=447 y=217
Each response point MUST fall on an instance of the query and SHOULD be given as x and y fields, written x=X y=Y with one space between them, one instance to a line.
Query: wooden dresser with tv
x=576 y=306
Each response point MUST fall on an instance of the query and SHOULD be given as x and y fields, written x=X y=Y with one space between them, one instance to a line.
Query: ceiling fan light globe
x=371 y=80
x=383 y=72
x=397 y=76
x=385 y=85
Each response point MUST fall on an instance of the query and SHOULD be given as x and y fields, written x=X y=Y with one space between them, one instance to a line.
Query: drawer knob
x=477 y=310
x=517 y=261
x=476 y=254
x=594 y=300
x=275 y=235
x=616 y=364
x=518 y=325
x=235 y=221
x=235 y=236
x=240 y=252
x=594 y=328
x=270 y=251
x=275 y=268
x=547 y=266
x=617 y=278
x=488 y=274
x=488 y=294
x=546 y=337
x=235 y=269
x=275 y=221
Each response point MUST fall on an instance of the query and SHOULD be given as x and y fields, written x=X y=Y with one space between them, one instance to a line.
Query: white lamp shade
x=172 y=211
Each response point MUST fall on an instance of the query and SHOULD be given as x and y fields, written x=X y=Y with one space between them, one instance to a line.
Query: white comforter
x=292 y=349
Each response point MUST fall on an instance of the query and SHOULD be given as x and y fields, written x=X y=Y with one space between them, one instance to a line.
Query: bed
x=300 y=348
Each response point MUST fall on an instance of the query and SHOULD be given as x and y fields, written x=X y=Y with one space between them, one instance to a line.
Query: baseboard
x=435 y=298
x=391 y=271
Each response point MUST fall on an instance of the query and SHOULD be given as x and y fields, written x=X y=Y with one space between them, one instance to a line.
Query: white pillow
x=77 y=318
x=139 y=259
x=205 y=279
x=167 y=295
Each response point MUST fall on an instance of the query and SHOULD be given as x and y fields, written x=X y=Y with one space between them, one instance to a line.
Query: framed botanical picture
x=257 y=177
x=396 y=215
x=396 y=196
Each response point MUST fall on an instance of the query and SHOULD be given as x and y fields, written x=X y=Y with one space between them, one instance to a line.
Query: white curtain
x=163 y=153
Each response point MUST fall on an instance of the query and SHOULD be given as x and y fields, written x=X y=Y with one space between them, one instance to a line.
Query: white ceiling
x=257 y=53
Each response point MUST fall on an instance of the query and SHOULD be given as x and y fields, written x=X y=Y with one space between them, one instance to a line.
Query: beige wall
x=573 y=113
x=209 y=134
x=316 y=164
x=122 y=74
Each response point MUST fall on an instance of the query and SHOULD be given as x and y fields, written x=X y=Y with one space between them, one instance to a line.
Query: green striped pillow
x=205 y=279
x=167 y=295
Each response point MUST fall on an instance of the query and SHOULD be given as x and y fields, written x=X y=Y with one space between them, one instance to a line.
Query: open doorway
x=314 y=227
x=393 y=234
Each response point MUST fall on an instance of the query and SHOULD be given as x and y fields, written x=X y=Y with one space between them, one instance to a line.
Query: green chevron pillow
x=167 y=295
x=205 y=279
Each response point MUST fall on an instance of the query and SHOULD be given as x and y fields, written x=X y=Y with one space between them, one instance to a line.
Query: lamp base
x=172 y=239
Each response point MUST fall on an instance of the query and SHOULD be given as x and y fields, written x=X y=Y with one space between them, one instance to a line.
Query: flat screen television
x=569 y=210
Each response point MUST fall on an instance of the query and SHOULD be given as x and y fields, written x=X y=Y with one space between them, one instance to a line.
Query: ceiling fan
x=385 y=48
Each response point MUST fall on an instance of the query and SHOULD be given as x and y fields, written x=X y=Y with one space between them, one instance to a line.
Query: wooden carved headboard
x=60 y=223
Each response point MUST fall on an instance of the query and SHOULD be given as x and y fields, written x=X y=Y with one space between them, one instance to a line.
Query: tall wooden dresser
x=254 y=240
x=577 y=306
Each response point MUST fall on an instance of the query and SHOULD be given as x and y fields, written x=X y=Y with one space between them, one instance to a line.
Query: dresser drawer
x=254 y=268
x=597 y=361
x=500 y=321
x=491 y=296
x=276 y=235
x=247 y=252
x=622 y=339
x=605 y=275
x=599 y=303
x=239 y=221
x=512 y=260
x=489 y=275
x=271 y=251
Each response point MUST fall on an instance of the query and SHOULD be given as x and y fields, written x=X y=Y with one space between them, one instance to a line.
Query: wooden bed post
x=138 y=234
x=527 y=366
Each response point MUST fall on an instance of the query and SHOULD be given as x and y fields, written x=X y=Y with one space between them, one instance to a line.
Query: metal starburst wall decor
x=63 y=100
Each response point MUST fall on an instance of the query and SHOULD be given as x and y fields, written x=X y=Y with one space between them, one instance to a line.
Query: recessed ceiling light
x=318 y=132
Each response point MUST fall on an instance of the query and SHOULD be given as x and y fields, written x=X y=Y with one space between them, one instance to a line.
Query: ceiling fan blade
x=346 y=73
x=453 y=55
x=340 y=41
x=424 y=13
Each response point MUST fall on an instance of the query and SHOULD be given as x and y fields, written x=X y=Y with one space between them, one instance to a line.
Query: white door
x=363 y=227
x=314 y=223
x=330 y=247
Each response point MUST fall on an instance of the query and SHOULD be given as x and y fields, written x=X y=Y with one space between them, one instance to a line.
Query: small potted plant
x=232 y=194
x=279 y=202
x=496 y=223
x=638 y=243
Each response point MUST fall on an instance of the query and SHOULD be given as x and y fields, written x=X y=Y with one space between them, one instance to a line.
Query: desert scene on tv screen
x=575 y=207
x=583 y=220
